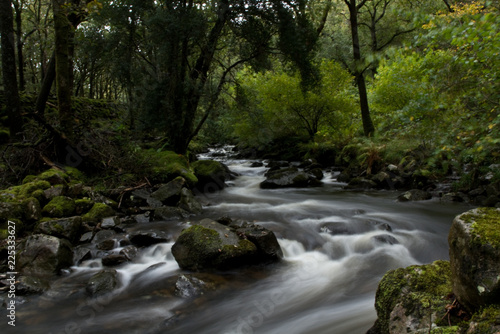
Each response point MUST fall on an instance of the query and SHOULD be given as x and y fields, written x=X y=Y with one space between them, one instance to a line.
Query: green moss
x=4 y=234
x=485 y=226
x=167 y=165
x=29 y=178
x=83 y=205
x=445 y=330
x=59 y=206
x=54 y=176
x=421 y=289
x=487 y=320
x=98 y=212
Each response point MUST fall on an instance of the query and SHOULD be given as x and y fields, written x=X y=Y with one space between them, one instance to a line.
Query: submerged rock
x=289 y=177
x=148 y=238
x=474 y=241
x=211 y=245
x=102 y=283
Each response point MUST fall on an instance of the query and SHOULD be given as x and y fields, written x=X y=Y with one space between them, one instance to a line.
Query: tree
x=359 y=75
x=9 y=69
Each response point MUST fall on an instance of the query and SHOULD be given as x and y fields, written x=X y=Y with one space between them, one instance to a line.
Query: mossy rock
x=211 y=175
x=167 y=165
x=413 y=298
x=474 y=240
x=98 y=212
x=486 y=321
x=59 y=206
x=83 y=205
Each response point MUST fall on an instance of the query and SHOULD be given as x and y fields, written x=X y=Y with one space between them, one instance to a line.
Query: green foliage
x=274 y=104
x=444 y=89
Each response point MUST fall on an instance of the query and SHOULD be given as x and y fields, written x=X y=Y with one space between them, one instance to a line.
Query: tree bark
x=354 y=7
x=13 y=102
x=48 y=80
x=62 y=28
x=20 y=55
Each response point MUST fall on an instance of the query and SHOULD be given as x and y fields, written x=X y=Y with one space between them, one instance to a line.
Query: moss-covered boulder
x=98 y=212
x=474 y=241
x=413 y=299
x=212 y=175
x=167 y=165
x=59 y=206
x=210 y=245
x=485 y=321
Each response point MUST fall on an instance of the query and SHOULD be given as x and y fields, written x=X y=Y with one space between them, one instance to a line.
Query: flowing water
x=337 y=245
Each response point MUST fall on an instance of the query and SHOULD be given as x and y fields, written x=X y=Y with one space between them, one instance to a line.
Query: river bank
x=337 y=245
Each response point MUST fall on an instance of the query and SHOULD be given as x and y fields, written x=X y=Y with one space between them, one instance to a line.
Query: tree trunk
x=186 y=110
x=368 y=127
x=20 y=56
x=62 y=28
x=48 y=80
x=9 y=69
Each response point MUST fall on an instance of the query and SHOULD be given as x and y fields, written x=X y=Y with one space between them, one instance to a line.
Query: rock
x=103 y=235
x=83 y=205
x=453 y=197
x=413 y=299
x=170 y=193
x=334 y=228
x=474 y=241
x=188 y=286
x=59 y=206
x=11 y=211
x=28 y=285
x=211 y=245
x=148 y=238
x=110 y=222
x=485 y=321
x=385 y=239
x=44 y=255
x=211 y=175
x=102 y=283
x=33 y=211
x=188 y=202
x=54 y=191
x=414 y=195
x=81 y=254
x=360 y=183
x=256 y=164
x=170 y=213
x=98 y=212
x=268 y=248
x=113 y=260
x=68 y=228
x=284 y=178
x=130 y=252
x=107 y=244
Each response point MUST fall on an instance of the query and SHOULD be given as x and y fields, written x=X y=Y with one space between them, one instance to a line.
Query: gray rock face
x=44 y=255
x=474 y=241
x=68 y=228
x=211 y=245
x=169 y=194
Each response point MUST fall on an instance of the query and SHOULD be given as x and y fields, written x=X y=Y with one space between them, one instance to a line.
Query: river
x=337 y=245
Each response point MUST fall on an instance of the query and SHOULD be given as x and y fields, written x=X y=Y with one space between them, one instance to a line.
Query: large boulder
x=413 y=299
x=474 y=241
x=212 y=175
x=212 y=245
x=289 y=177
x=59 y=206
x=414 y=195
x=68 y=228
x=45 y=255
x=170 y=193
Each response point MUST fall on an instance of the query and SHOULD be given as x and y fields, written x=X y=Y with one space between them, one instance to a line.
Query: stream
x=337 y=245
